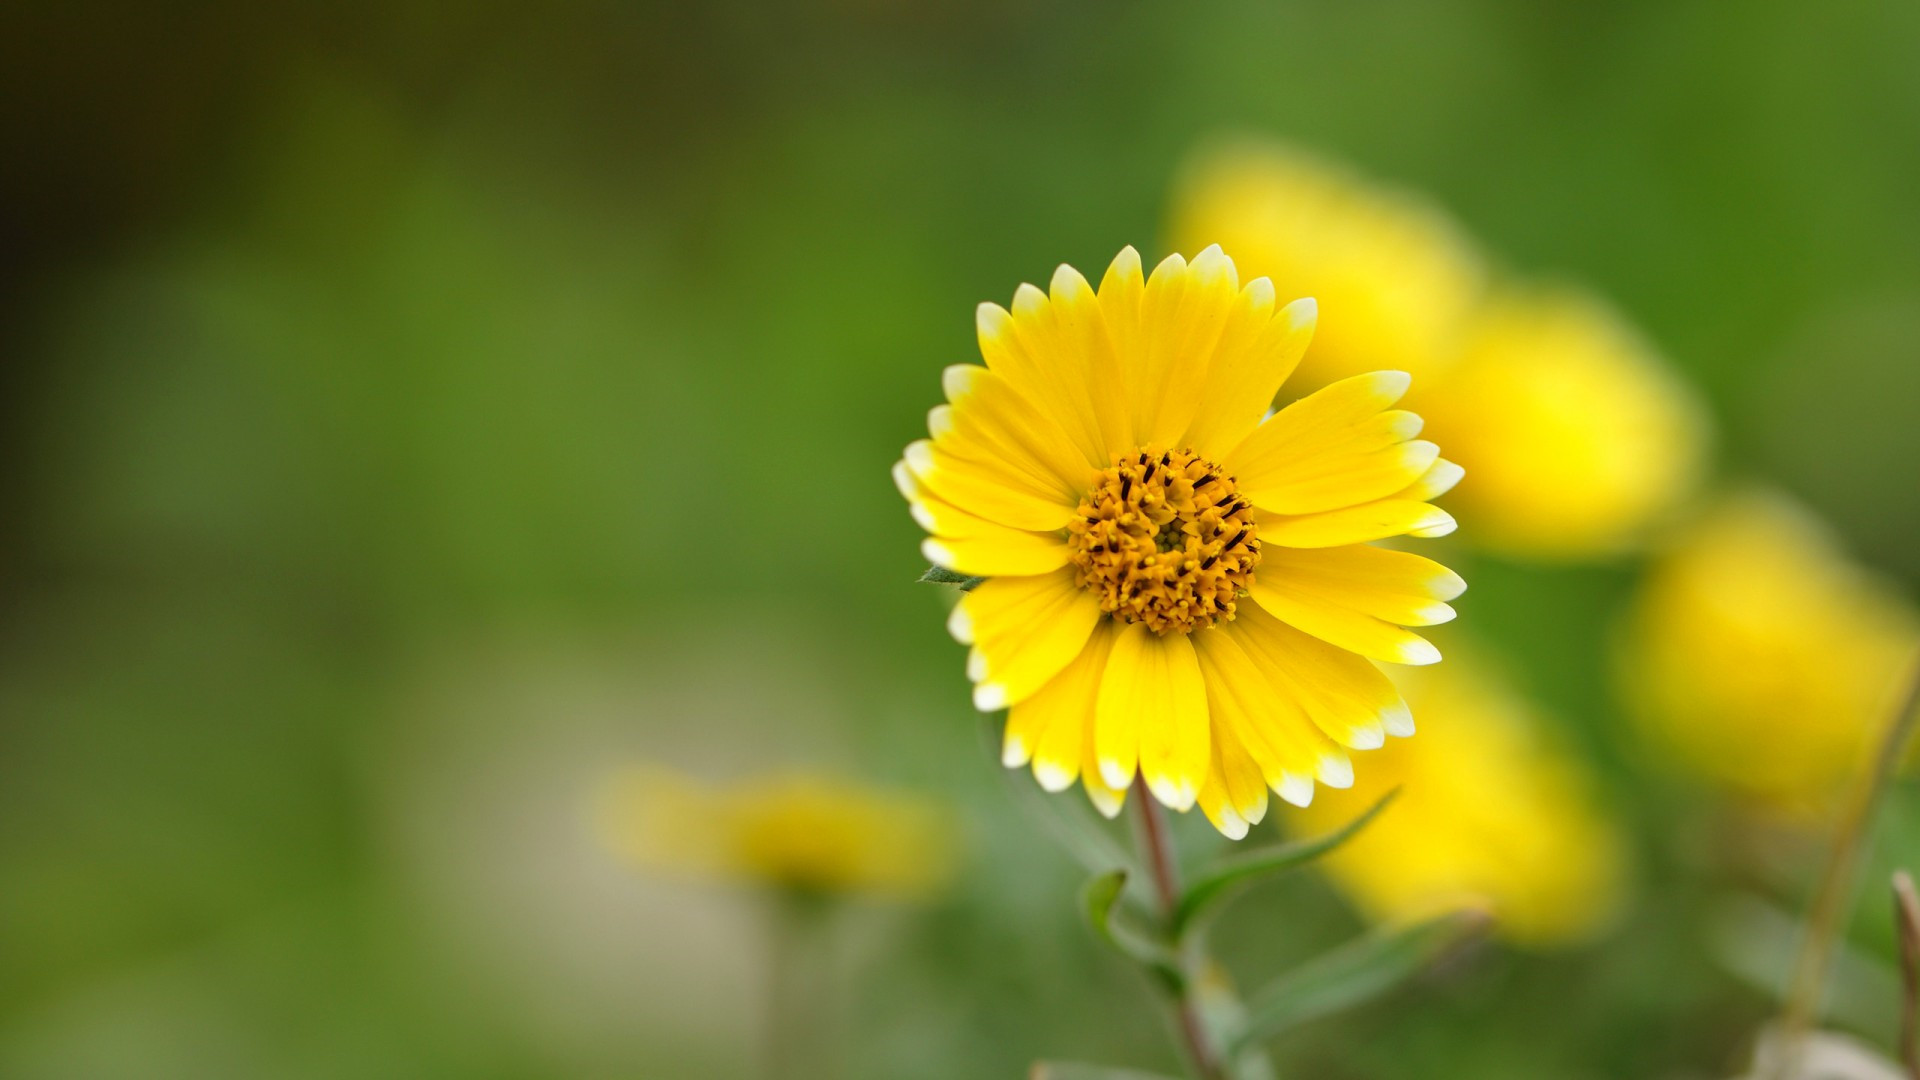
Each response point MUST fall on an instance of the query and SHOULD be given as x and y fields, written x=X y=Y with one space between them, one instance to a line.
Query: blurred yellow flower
x=1489 y=815
x=793 y=830
x=1395 y=277
x=1575 y=433
x=1762 y=658
x=1112 y=472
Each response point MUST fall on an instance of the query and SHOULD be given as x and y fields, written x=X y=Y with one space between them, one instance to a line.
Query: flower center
x=1163 y=538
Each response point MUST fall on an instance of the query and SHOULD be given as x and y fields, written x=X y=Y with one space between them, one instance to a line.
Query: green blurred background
x=414 y=411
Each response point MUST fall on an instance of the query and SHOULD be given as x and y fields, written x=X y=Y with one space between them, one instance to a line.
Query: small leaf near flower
x=937 y=575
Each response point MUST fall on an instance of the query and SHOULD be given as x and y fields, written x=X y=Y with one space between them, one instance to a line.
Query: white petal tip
x=1441 y=478
x=1066 y=281
x=1438 y=523
x=989 y=319
x=1419 y=653
x=1371 y=737
x=976 y=664
x=937 y=552
x=1304 y=311
x=1295 y=789
x=1171 y=795
x=1107 y=802
x=1231 y=825
x=1014 y=752
x=989 y=697
x=1052 y=777
x=1397 y=722
x=1028 y=299
x=959 y=622
x=1114 y=776
x=903 y=479
x=1335 y=771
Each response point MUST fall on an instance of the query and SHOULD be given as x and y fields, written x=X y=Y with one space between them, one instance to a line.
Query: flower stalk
x=1156 y=851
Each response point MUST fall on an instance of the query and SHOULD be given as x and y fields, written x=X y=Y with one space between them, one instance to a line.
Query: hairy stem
x=1157 y=852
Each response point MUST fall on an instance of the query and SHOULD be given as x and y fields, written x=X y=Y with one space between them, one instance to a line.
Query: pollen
x=1164 y=538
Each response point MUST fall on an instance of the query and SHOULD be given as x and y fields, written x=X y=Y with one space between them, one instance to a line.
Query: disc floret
x=1164 y=538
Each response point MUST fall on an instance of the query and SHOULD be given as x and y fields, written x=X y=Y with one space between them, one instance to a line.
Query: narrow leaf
x=1229 y=875
x=938 y=575
x=1097 y=900
x=1102 y=902
x=1355 y=973
x=1070 y=1070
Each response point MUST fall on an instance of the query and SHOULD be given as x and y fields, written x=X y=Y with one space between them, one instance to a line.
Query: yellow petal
x=1152 y=711
x=1275 y=731
x=1344 y=627
x=1345 y=695
x=1439 y=479
x=1023 y=631
x=1375 y=520
x=1340 y=446
x=1055 y=725
x=1257 y=351
x=1089 y=371
x=1183 y=313
x=1234 y=796
x=973 y=545
x=988 y=414
x=986 y=489
x=1008 y=553
x=1392 y=585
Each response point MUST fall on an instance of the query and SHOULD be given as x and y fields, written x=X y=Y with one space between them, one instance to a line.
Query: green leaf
x=1099 y=896
x=1228 y=876
x=937 y=575
x=1101 y=900
x=1070 y=1070
x=1355 y=973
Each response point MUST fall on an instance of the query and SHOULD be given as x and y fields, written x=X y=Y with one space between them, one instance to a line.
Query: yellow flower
x=1576 y=434
x=1179 y=588
x=1762 y=658
x=1395 y=277
x=793 y=830
x=1489 y=815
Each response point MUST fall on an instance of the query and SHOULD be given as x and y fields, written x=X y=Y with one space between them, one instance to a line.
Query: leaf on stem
x=1355 y=973
x=937 y=575
x=1106 y=913
x=1228 y=876
x=1070 y=1070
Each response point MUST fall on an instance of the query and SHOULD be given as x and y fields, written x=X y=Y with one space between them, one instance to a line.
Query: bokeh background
x=413 y=413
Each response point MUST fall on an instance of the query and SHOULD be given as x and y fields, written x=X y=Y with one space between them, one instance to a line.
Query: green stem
x=1156 y=846
x=1831 y=904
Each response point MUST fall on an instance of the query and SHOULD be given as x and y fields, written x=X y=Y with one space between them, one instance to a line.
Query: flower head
x=1180 y=587
x=1577 y=435
x=1762 y=658
x=794 y=830
x=1489 y=815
